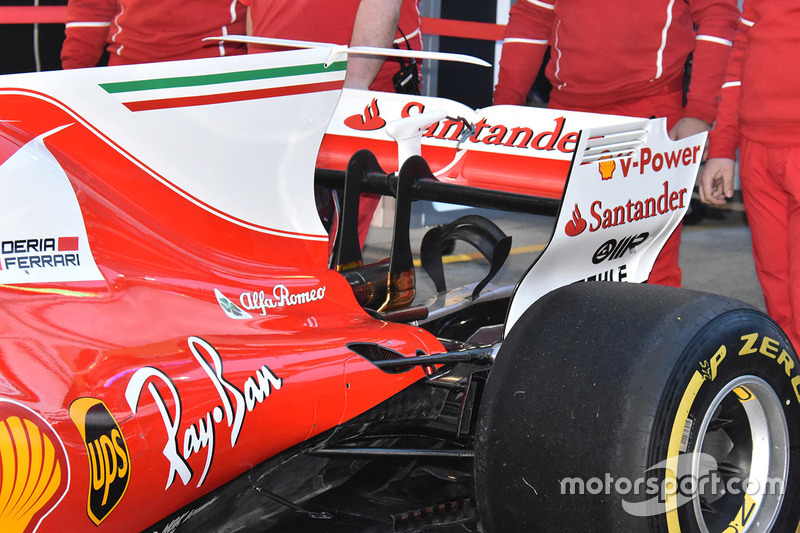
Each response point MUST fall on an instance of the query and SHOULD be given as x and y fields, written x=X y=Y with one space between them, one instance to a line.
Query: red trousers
x=771 y=190
x=669 y=104
x=368 y=203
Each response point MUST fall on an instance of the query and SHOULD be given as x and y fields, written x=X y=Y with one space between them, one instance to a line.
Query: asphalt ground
x=715 y=254
x=717 y=257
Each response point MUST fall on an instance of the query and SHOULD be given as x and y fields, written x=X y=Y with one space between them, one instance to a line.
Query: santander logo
x=576 y=225
x=370 y=120
x=553 y=137
x=604 y=217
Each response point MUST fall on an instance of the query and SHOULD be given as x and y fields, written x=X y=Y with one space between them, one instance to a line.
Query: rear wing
x=619 y=186
x=524 y=150
x=628 y=188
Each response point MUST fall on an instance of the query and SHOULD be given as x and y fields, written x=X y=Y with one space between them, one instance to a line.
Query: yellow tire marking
x=674 y=449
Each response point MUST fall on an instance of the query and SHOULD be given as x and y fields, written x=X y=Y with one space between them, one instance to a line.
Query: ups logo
x=109 y=460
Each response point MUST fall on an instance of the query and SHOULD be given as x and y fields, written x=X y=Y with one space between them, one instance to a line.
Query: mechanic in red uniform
x=358 y=22
x=145 y=31
x=623 y=58
x=760 y=114
x=380 y=23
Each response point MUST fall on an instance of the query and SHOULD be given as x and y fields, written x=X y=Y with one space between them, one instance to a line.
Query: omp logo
x=34 y=469
x=576 y=225
x=370 y=120
x=613 y=249
x=109 y=460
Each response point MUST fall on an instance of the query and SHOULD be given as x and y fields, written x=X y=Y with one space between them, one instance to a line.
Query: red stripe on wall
x=431 y=26
x=464 y=29
x=33 y=14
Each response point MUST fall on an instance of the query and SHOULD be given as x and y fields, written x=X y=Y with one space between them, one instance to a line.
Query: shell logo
x=606 y=166
x=34 y=469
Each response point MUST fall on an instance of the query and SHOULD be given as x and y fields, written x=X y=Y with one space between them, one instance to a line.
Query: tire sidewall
x=589 y=385
x=738 y=344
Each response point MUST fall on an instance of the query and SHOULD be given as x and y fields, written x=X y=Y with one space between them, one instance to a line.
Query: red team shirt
x=608 y=51
x=760 y=98
x=331 y=22
x=760 y=114
x=144 y=31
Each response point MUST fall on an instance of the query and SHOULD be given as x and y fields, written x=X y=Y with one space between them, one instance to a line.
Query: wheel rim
x=745 y=432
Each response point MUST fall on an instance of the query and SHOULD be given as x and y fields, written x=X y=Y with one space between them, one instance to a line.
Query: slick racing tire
x=622 y=407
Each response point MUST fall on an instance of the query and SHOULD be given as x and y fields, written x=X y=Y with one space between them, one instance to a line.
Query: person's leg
x=791 y=185
x=666 y=270
x=368 y=203
x=766 y=206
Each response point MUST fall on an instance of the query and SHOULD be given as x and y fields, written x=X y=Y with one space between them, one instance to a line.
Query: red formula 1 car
x=191 y=341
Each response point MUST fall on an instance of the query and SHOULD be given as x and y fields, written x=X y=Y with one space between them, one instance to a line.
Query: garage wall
x=30 y=47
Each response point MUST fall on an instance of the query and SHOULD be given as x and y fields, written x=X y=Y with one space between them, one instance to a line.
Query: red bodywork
x=149 y=395
x=170 y=322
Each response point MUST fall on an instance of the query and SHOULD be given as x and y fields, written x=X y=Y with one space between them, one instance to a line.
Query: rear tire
x=621 y=407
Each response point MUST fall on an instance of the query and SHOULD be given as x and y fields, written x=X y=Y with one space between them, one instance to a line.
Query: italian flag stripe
x=206 y=99
x=214 y=79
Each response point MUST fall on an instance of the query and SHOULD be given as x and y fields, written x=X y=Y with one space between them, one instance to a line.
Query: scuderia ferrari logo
x=43 y=252
x=109 y=460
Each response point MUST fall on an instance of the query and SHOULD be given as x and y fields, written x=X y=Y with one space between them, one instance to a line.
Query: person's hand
x=688 y=126
x=716 y=181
